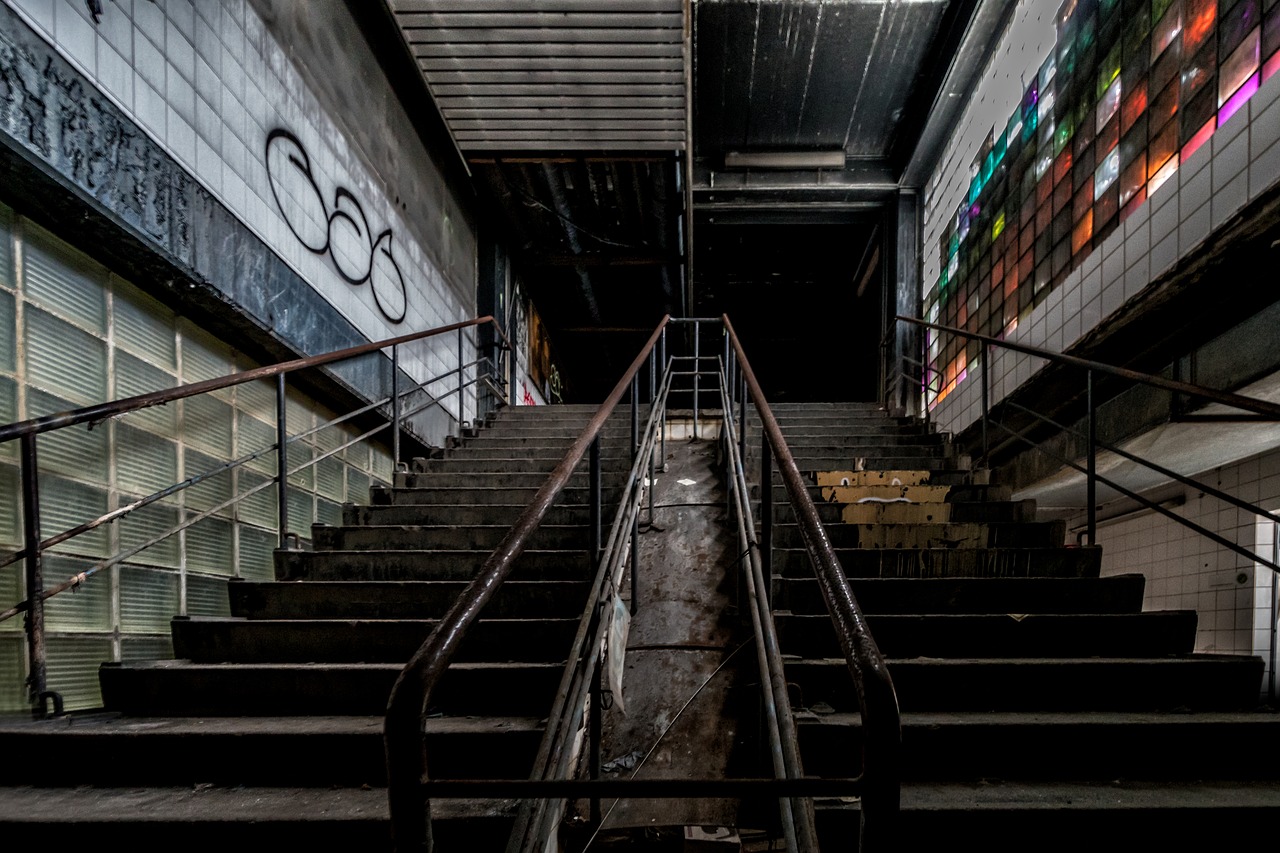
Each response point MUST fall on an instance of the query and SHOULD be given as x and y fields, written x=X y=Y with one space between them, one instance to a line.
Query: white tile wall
x=1231 y=594
x=207 y=80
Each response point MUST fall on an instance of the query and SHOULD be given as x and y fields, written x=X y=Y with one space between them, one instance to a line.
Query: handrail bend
x=403 y=735
x=881 y=721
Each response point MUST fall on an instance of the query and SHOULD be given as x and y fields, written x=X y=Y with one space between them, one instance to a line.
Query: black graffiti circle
x=344 y=234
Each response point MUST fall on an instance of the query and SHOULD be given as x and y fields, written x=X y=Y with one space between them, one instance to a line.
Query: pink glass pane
x=1238 y=67
x=1237 y=100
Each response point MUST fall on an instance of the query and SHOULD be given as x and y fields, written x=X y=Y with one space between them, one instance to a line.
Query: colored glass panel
x=1239 y=66
x=1199 y=17
x=1236 y=101
x=1167 y=28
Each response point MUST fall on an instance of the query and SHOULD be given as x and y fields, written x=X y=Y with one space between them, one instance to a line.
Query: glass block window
x=181 y=550
x=1130 y=91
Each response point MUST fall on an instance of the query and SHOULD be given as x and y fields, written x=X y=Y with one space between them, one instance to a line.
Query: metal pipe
x=766 y=515
x=37 y=655
x=410 y=695
x=635 y=416
x=461 y=379
x=102 y=411
x=635 y=563
x=596 y=726
x=697 y=365
x=1250 y=404
x=881 y=726
x=1091 y=475
x=282 y=461
x=395 y=405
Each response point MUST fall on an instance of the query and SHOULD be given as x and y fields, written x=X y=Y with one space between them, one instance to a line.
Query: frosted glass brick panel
x=135 y=377
x=207 y=596
x=10 y=515
x=258 y=399
x=83 y=379
x=328 y=512
x=214 y=490
x=6 y=247
x=75 y=451
x=73 y=664
x=8 y=333
x=144 y=327
x=64 y=282
x=83 y=608
x=146 y=524
x=257 y=549
x=148 y=600
x=301 y=470
x=329 y=479
x=204 y=357
x=65 y=504
x=210 y=548
x=207 y=425
x=145 y=462
x=13 y=674
x=357 y=486
x=259 y=507
x=146 y=648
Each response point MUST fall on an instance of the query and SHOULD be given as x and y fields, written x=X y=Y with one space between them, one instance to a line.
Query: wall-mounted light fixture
x=830 y=159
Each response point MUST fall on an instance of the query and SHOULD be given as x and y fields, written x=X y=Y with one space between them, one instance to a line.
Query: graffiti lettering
x=343 y=233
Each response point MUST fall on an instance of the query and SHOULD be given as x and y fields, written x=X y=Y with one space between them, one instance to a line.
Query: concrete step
x=466 y=463
x=617 y=453
x=1005 y=635
x=485 y=495
x=996 y=595
x=424 y=565
x=1199 y=682
x=182 y=688
x=443 y=537
x=399 y=599
x=957 y=511
x=550 y=433
x=1064 y=746
x=309 y=751
x=1027 y=534
x=1061 y=817
x=1067 y=562
x=470 y=513
x=211 y=639
x=534 y=480
x=250 y=818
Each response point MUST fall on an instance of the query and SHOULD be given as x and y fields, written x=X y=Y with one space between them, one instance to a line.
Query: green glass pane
x=154 y=524
x=147 y=648
x=329 y=479
x=259 y=507
x=6 y=247
x=143 y=326
x=302 y=471
x=65 y=504
x=8 y=333
x=212 y=491
x=357 y=486
x=82 y=379
x=13 y=675
x=258 y=399
x=206 y=423
x=207 y=596
x=135 y=377
x=257 y=553
x=72 y=670
x=204 y=357
x=301 y=512
x=74 y=451
x=145 y=462
x=210 y=548
x=64 y=281
x=328 y=512
x=255 y=436
x=86 y=607
x=148 y=600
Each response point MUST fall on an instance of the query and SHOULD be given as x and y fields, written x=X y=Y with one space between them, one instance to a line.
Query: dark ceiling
x=573 y=119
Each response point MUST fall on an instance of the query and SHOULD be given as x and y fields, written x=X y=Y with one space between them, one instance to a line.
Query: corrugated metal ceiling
x=553 y=75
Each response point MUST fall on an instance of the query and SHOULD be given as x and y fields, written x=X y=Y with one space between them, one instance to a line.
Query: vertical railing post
x=766 y=514
x=282 y=461
x=37 y=679
x=595 y=722
x=635 y=514
x=742 y=419
x=461 y=381
x=986 y=406
x=635 y=417
x=662 y=345
x=653 y=375
x=697 y=368
x=395 y=405
x=1092 y=465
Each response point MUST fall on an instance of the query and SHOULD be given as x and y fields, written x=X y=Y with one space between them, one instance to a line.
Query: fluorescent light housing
x=831 y=159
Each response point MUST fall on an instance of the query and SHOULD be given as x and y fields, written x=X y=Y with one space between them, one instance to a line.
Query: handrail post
x=766 y=516
x=461 y=381
x=697 y=366
x=653 y=377
x=395 y=405
x=1092 y=464
x=37 y=679
x=595 y=723
x=986 y=406
x=282 y=461
x=742 y=418
x=635 y=416
x=635 y=515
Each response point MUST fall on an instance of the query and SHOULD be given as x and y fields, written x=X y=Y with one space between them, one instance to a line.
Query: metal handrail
x=797 y=817
x=405 y=746
x=27 y=431
x=579 y=680
x=881 y=721
x=1265 y=408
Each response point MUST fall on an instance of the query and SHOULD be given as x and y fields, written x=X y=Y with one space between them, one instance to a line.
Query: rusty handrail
x=881 y=721
x=102 y=411
x=1226 y=398
x=403 y=734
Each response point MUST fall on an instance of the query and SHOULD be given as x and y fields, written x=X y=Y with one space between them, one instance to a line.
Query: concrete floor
x=681 y=721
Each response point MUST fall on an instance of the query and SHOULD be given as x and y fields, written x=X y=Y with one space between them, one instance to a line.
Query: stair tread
x=997 y=795
x=110 y=724
x=934 y=719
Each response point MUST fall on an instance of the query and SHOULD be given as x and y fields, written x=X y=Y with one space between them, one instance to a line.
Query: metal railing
x=26 y=433
x=1265 y=409
x=552 y=782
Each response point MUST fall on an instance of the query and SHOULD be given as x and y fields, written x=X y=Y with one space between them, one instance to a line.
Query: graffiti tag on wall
x=343 y=233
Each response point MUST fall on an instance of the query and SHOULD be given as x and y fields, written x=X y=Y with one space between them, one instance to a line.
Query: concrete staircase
x=267 y=727
x=1041 y=707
